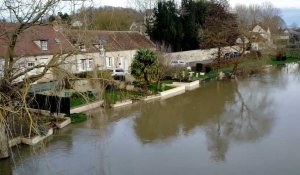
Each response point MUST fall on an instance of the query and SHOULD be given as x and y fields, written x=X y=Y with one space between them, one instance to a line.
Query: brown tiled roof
x=25 y=44
x=115 y=40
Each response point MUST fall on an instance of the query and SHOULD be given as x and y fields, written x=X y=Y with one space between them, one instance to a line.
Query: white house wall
x=121 y=59
x=1 y=67
x=24 y=63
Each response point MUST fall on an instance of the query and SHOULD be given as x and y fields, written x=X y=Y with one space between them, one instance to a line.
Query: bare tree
x=265 y=15
x=220 y=30
x=16 y=79
x=145 y=7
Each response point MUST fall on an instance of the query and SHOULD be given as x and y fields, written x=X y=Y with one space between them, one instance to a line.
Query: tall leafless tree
x=15 y=82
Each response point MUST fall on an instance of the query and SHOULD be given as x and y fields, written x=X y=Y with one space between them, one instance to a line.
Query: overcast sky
x=290 y=8
x=277 y=3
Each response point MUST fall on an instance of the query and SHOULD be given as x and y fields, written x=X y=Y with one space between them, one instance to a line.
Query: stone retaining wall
x=188 y=86
x=86 y=107
x=29 y=141
x=173 y=92
x=121 y=104
x=200 y=55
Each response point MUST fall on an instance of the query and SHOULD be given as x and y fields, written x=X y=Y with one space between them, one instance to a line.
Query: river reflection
x=229 y=127
x=221 y=110
x=166 y=119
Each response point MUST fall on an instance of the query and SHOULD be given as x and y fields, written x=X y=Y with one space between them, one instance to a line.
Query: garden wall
x=173 y=92
x=188 y=86
x=200 y=55
x=86 y=107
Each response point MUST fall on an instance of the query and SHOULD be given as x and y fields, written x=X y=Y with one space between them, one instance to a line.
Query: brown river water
x=245 y=127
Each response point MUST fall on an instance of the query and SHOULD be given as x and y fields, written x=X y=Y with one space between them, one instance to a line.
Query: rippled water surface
x=245 y=127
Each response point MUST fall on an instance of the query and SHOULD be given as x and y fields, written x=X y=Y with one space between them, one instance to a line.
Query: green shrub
x=78 y=117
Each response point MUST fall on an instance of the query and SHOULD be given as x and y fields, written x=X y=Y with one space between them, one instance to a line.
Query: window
x=90 y=65
x=1 y=68
x=82 y=48
x=57 y=40
x=110 y=62
x=44 y=45
x=83 y=64
x=119 y=70
x=30 y=64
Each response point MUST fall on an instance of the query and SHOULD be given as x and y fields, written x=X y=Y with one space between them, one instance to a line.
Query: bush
x=78 y=117
x=280 y=57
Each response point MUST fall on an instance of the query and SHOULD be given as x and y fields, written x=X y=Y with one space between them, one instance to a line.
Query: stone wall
x=200 y=55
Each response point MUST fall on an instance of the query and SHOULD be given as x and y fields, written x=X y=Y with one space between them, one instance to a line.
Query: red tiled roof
x=115 y=40
x=25 y=44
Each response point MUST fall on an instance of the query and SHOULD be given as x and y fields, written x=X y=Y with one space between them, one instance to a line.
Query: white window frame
x=82 y=47
x=110 y=62
x=44 y=45
x=83 y=64
x=1 y=67
x=90 y=63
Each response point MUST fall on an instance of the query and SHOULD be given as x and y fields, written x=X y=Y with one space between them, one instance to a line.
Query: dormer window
x=82 y=48
x=44 y=45
x=57 y=40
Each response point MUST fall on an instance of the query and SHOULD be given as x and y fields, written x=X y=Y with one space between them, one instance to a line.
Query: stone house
x=294 y=38
x=35 y=46
x=264 y=39
x=38 y=44
x=261 y=38
x=106 y=49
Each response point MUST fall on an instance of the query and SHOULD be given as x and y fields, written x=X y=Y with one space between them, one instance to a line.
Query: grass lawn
x=78 y=117
x=251 y=63
x=164 y=86
x=214 y=73
x=112 y=96
x=77 y=101
x=289 y=60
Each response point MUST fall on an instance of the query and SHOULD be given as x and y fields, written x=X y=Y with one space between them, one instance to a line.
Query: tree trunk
x=4 y=148
x=158 y=84
x=146 y=78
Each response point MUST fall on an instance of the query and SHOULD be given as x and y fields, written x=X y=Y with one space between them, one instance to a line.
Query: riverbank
x=248 y=65
x=205 y=131
x=78 y=110
x=174 y=89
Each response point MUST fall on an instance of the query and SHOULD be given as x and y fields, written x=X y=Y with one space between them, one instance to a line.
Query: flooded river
x=245 y=127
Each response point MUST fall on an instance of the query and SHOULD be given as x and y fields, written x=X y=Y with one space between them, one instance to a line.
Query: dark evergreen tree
x=51 y=18
x=167 y=27
x=198 y=24
x=190 y=27
x=192 y=17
